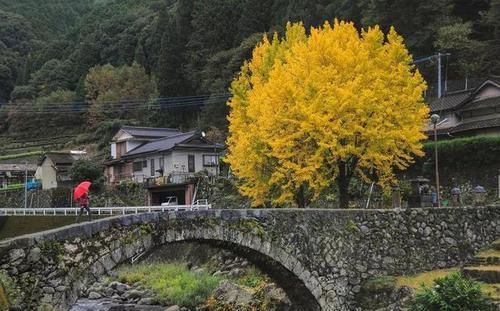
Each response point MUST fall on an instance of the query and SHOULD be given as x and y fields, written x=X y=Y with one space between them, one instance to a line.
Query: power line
x=122 y=105
x=116 y=109
x=124 y=100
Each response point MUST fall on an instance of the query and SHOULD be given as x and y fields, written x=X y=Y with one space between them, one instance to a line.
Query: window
x=145 y=163
x=191 y=168
x=162 y=162
x=210 y=160
x=152 y=167
x=138 y=166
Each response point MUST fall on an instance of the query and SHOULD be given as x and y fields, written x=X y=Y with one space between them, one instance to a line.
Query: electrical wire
x=161 y=103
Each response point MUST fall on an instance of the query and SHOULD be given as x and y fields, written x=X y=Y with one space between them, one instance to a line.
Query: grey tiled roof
x=475 y=125
x=21 y=167
x=449 y=101
x=159 y=145
x=485 y=103
x=150 y=131
x=61 y=158
x=495 y=79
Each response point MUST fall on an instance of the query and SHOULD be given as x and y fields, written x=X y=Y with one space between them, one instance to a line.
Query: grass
x=20 y=155
x=425 y=278
x=252 y=278
x=485 y=268
x=488 y=253
x=492 y=290
x=173 y=283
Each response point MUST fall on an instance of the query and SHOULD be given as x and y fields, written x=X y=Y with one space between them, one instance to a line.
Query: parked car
x=173 y=202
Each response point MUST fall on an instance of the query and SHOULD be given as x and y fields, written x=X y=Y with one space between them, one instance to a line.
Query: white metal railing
x=65 y=211
x=200 y=204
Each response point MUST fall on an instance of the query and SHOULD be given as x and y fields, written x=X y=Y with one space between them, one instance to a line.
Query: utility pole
x=25 y=185
x=438 y=56
x=439 y=74
x=435 y=119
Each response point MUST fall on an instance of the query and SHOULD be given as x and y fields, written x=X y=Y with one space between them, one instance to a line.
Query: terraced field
x=486 y=269
x=15 y=145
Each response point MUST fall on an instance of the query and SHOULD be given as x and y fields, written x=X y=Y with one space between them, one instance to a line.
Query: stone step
x=482 y=261
x=496 y=245
x=488 y=274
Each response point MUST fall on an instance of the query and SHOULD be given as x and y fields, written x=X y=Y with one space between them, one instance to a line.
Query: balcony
x=172 y=179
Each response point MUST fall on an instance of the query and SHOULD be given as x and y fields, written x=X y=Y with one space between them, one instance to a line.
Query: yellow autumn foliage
x=309 y=110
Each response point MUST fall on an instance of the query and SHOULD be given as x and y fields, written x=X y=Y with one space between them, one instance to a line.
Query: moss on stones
x=52 y=250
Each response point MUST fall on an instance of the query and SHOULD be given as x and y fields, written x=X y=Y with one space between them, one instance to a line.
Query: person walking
x=84 y=205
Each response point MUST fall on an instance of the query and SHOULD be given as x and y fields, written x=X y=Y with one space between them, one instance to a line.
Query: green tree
x=54 y=75
x=175 y=32
x=469 y=56
x=23 y=93
x=217 y=74
x=16 y=42
x=215 y=24
x=254 y=20
x=87 y=170
x=492 y=21
x=417 y=21
x=118 y=92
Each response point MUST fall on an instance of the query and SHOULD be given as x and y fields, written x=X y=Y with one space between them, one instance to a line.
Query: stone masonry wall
x=329 y=252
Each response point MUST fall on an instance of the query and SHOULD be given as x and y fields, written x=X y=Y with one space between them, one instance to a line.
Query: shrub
x=453 y=292
x=252 y=278
x=84 y=169
x=472 y=159
x=172 y=282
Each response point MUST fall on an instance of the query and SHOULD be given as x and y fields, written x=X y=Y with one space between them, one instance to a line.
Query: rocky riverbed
x=239 y=285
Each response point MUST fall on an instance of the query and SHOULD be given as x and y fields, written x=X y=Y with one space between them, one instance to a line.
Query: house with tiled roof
x=469 y=112
x=54 y=169
x=164 y=160
x=15 y=173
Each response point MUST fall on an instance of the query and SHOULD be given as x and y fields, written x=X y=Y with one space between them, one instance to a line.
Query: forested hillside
x=191 y=48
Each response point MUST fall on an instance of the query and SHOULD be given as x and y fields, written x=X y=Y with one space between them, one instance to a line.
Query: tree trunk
x=343 y=186
x=300 y=197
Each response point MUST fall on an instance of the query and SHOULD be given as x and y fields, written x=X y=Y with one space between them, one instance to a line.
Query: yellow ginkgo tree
x=311 y=110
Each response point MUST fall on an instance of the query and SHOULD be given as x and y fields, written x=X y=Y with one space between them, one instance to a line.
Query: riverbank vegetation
x=452 y=292
x=173 y=283
x=473 y=287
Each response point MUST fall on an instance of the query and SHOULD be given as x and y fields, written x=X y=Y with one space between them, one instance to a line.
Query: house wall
x=48 y=174
x=488 y=92
x=176 y=161
x=180 y=161
x=146 y=171
x=121 y=136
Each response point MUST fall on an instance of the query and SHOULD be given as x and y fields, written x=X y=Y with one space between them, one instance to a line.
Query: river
x=12 y=226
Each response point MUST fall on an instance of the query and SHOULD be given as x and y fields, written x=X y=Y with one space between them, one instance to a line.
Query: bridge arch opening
x=301 y=297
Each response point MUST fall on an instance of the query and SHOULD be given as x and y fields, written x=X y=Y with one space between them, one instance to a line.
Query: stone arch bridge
x=319 y=256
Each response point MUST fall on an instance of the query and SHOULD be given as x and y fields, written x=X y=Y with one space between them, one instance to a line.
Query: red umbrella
x=81 y=189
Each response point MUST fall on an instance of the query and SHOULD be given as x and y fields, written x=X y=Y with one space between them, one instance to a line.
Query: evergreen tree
x=255 y=18
x=493 y=23
x=416 y=21
x=215 y=25
x=176 y=29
